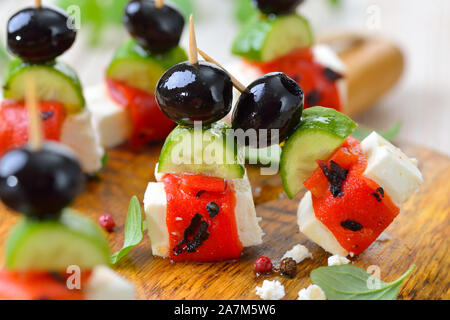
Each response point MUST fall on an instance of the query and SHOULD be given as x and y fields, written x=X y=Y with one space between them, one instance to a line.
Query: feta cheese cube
x=314 y=229
x=298 y=253
x=337 y=260
x=313 y=292
x=389 y=167
x=270 y=290
x=112 y=121
x=78 y=133
x=105 y=284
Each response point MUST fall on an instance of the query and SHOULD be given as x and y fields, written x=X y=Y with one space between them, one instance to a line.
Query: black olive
x=195 y=92
x=39 y=35
x=40 y=183
x=273 y=101
x=277 y=6
x=155 y=29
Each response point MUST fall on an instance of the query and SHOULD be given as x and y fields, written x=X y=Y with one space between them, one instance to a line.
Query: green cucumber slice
x=201 y=151
x=54 y=82
x=133 y=66
x=267 y=38
x=321 y=132
x=54 y=245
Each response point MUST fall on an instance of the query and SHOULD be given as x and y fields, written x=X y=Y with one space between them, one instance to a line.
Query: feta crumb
x=313 y=292
x=383 y=237
x=337 y=260
x=270 y=290
x=298 y=253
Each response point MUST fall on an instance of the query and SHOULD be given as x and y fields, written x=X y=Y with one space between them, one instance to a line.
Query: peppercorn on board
x=418 y=236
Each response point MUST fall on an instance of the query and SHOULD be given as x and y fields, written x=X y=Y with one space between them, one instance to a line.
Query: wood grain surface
x=420 y=236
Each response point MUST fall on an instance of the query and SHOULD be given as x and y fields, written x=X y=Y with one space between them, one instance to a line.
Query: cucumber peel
x=321 y=132
x=133 y=66
x=55 y=81
x=266 y=38
x=54 y=245
x=202 y=151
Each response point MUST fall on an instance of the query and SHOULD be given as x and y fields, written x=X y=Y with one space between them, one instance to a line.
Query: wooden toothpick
x=193 y=53
x=237 y=84
x=159 y=3
x=34 y=117
x=38 y=3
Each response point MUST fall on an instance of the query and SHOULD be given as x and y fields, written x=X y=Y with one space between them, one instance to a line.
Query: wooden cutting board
x=420 y=235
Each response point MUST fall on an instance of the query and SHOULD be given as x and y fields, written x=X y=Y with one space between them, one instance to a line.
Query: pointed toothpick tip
x=193 y=53
x=34 y=118
x=38 y=3
x=237 y=84
x=159 y=3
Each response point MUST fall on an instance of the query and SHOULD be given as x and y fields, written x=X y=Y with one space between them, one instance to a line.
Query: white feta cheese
x=270 y=290
x=105 y=284
x=313 y=292
x=389 y=167
x=298 y=253
x=155 y=206
x=78 y=133
x=337 y=260
x=314 y=229
x=112 y=121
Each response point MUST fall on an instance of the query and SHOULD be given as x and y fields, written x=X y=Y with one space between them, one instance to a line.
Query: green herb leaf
x=134 y=230
x=389 y=134
x=348 y=282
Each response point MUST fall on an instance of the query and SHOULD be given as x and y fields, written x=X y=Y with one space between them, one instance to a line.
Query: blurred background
x=421 y=101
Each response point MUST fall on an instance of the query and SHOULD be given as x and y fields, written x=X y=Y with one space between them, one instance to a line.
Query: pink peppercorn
x=263 y=265
x=106 y=221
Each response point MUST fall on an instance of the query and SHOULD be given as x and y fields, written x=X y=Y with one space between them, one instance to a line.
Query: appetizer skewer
x=199 y=210
x=125 y=108
x=281 y=40
x=37 y=36
x=53 y=253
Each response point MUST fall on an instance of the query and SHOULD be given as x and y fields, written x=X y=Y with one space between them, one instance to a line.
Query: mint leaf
x=348 y=282
x=360 y=132
x=134 y=230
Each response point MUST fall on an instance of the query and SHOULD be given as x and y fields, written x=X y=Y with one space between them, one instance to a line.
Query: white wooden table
x=422 y=28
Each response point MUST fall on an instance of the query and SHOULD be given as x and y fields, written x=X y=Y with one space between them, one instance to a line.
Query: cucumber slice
x=201 y=151
x=320 y=133
x=55 y=245
x=135 y=67
x=54 y=82
x=265 y=39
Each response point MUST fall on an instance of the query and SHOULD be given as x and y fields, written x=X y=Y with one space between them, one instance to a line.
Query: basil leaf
x=389 y=134
x=348 y=282
x=134 y=230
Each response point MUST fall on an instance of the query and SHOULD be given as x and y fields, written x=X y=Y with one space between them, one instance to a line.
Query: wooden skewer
x=193 y=53
x=237 y=84
x=38 y=3
x=34 y=124
x=159 y=3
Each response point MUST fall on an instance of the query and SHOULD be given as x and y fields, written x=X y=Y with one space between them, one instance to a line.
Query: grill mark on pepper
x=213 y=209
x=313 y=97
x=198 y=237
x=200 y=193
x=331 y=75
x=46 y=115
x=378 y=194
x=335 y=175
x=351 y=225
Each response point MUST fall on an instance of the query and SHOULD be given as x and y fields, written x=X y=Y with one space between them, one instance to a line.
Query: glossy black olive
x=273 y=101
x=277 y=6
x=199 y=92
x=155 y=29
x=39 y=35
x=40 y=183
